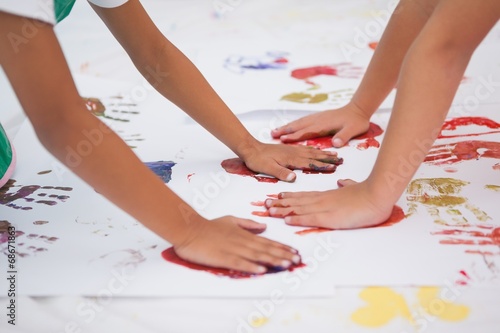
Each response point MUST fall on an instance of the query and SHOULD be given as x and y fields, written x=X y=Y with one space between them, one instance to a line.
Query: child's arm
x=431 y=73
x=42 y=81
x=176 y=78
x=381 y=76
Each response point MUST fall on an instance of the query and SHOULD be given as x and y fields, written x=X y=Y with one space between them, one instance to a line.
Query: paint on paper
x=162 y=169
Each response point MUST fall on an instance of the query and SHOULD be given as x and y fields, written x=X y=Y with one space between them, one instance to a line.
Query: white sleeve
x=108 y=3
x=42 y=10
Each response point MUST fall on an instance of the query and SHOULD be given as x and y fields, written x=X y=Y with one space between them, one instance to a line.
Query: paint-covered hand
x=462 y=151
x=349 y=207
x=343 y=123
x=279 y=160
x=229 y=242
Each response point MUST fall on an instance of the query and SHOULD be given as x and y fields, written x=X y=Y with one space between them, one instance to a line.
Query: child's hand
x=279 y=160
x=346 y=123
x=349 y=207
x=229 y=242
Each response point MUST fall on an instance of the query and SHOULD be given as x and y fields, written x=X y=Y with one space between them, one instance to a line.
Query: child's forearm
x=381 y=76
x=121 y=178
x=430 y=77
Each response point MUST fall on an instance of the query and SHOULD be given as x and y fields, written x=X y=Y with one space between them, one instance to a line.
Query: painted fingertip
x=286 y=263
x=296 y=259
x=261 y=270
x=281 y=195
x=291 y=177
x=283 y=138
x=338 y=142
x=268 y=202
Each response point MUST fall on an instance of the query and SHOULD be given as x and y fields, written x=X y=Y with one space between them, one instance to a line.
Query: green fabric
x=5 y=152
x=62 y=8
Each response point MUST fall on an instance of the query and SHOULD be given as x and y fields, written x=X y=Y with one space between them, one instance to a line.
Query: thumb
x=281 y=173
x=345 y=182
x=252 y=226
x=342 y=137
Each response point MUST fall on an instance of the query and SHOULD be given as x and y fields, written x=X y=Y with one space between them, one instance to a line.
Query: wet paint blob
x=462 y=151
x=382 y=306
x=162 y=169
x=343 y=70
x=236 y=166
x=368 y=138
x=44 y=172
x=170 y=256
x=432 y=302
x=454 y=123
x=373 y=45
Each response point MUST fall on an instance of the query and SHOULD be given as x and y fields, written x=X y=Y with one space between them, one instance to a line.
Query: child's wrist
x=248 y=147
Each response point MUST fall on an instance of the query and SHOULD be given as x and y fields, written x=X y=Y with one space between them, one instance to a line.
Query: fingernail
x=268 y=202
x=296 y=259
x=337 y=142
x=283 y=137
x=272 y=210
x=288 y=219
x=261 y=269
x=290 y=177
x=285 y=264
x=294 y=250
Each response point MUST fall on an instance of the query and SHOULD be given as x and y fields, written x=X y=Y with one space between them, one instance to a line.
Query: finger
x=283 y=130
x=321 y=219
x=281 y=173
x=273 y=254
x=244 y=264
x=343 y=136
x=308 y=164
x=282 y=212
x=252 y=226
x=286 y=195
x=282 y=202
x=345 y=182
x=302 y=134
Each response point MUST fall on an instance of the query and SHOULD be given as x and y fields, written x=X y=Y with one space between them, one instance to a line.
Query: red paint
x=170 y=256
x=315 y=172
x=262 y=214
x=189 y=176
x=464 y=273
x=475 y=237
x=370 y=142
x=450 y=170
x=281 y=60
x=311 y=231
x=274 y=196
x=454 y=123
x=397 y=216
x=258 y=203
x=308 y=72
x=484 y=253
x=236 y=166
x=373 y=45
x=325 y=142
x=462 y=151
x=496 y=166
